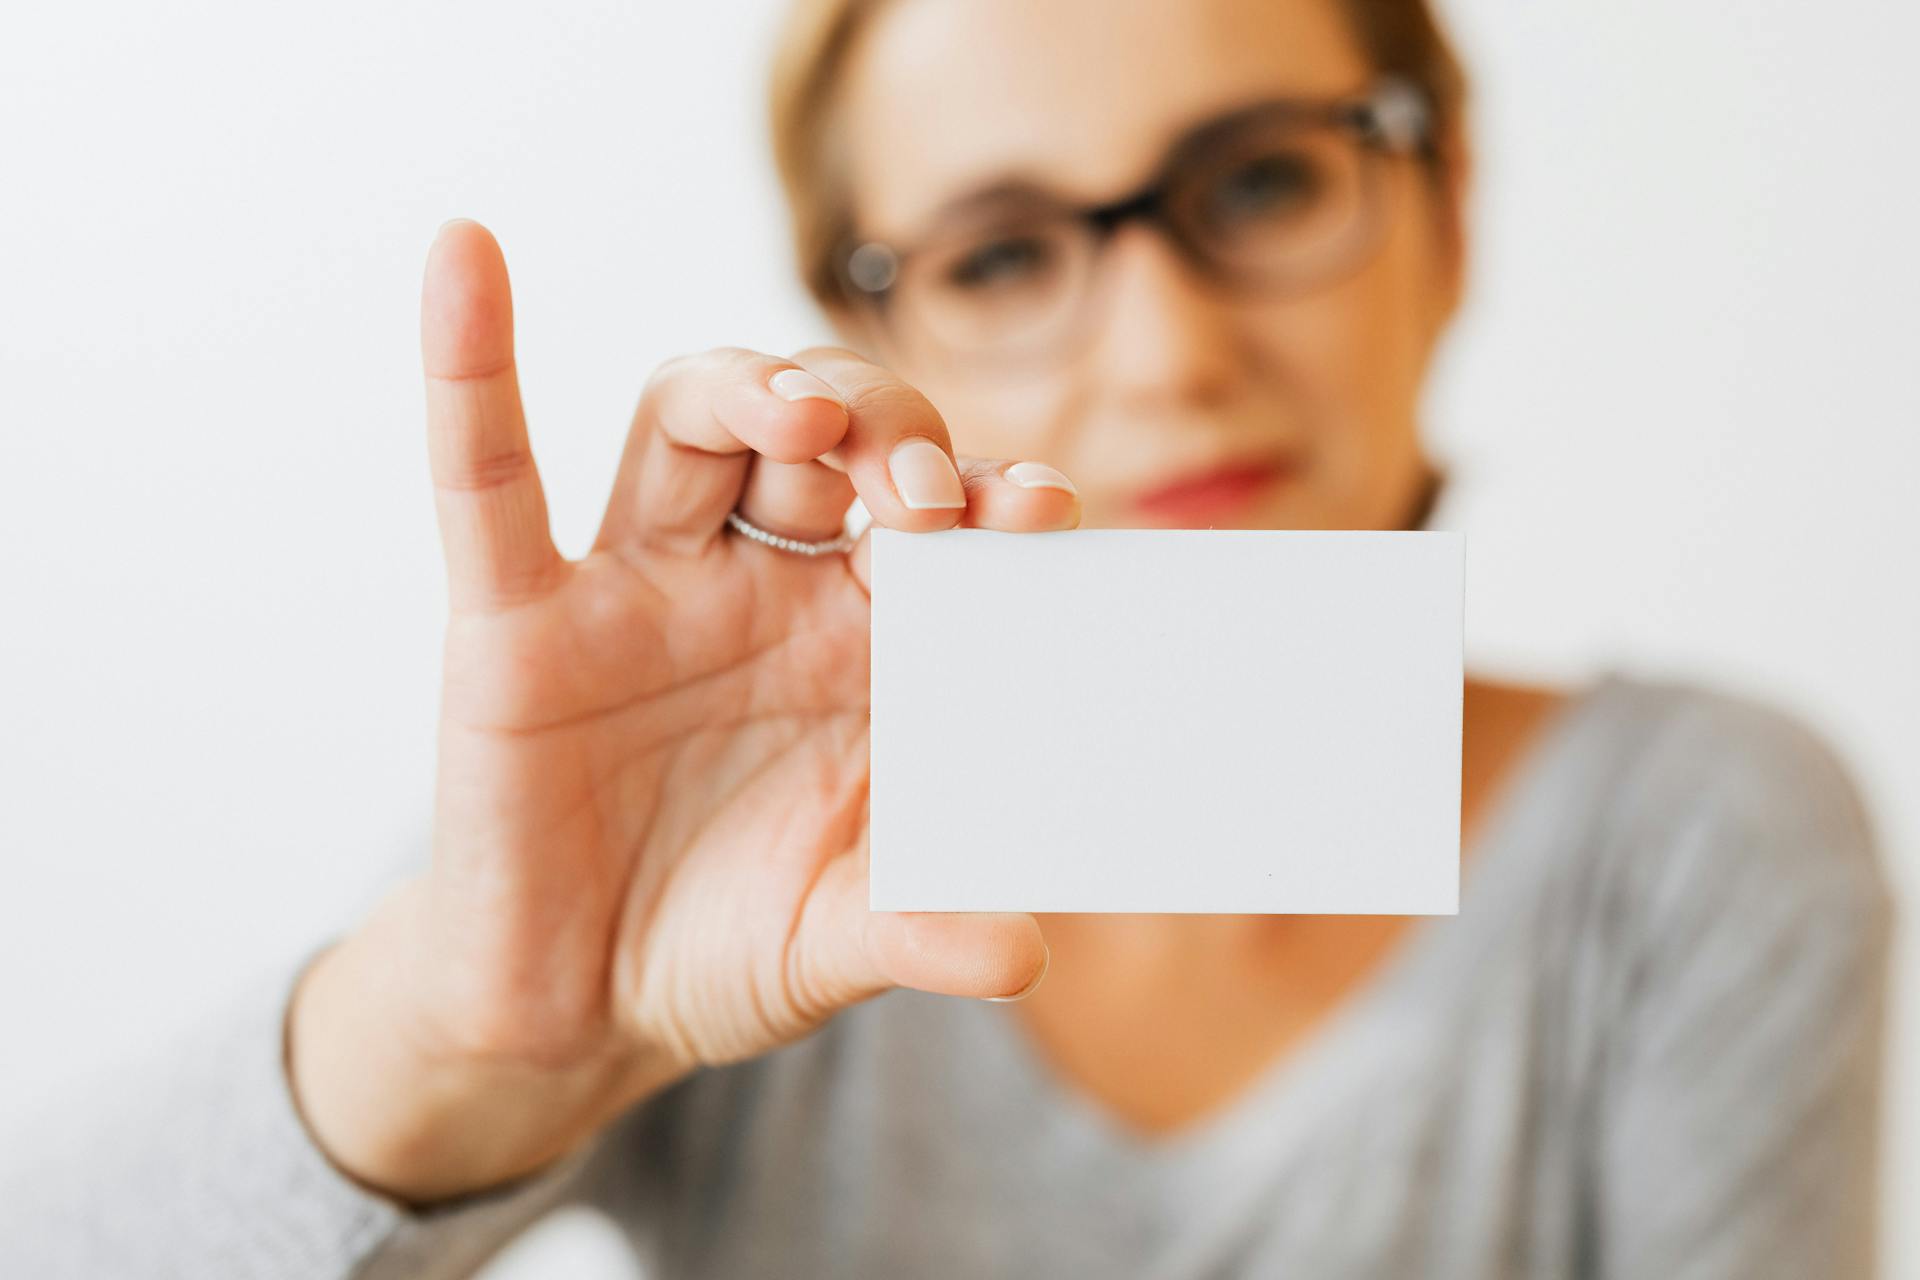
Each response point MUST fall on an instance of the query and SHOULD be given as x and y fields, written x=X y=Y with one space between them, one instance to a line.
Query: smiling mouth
x=1214 y=495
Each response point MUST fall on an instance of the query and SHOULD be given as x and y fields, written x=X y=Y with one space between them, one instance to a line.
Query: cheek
x=1346 y=365
x=999 y=415
x=1336 y=361
x=1356 y=354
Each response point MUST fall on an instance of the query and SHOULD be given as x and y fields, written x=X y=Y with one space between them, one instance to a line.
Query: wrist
x=404 y=1117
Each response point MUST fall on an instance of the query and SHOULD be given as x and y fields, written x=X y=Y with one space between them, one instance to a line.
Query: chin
x=1297 y=511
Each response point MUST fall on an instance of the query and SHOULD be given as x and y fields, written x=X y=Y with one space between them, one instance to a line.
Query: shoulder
x=1739 y=985
x=1699 y=754
x=1727 y=813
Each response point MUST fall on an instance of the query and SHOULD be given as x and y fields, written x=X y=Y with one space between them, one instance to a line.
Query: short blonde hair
x=1399 y=37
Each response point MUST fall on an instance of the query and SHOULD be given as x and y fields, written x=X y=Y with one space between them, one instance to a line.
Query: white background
x=1683 y=408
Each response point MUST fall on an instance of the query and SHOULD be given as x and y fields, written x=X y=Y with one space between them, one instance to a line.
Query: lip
x=1213 y=495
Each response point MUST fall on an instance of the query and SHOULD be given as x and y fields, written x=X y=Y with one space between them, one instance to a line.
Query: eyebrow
x=1010 y=190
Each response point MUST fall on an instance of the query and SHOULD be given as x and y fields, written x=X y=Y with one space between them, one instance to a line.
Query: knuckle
x=712 y=364
x=886 y=396
x=664 y=375
x=979 y=471
x=484 y=474
x=875 y=390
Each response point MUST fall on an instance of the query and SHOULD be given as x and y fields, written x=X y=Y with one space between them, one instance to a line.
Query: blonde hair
x=1398 y=37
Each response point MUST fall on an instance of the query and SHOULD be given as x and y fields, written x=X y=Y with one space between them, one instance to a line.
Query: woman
x=1197 y=258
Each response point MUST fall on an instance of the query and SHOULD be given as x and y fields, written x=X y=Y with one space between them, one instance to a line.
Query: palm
x=649 y=835
x=681 y=744
x=653 y=761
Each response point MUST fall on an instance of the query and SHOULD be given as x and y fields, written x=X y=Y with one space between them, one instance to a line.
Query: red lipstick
x=1213 y=495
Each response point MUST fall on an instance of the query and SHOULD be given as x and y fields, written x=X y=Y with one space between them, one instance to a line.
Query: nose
x=1165 y=336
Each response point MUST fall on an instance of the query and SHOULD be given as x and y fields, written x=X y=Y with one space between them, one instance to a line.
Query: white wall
x=1683 y=407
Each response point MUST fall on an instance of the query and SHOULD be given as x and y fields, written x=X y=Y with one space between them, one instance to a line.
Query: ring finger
x=804 y=500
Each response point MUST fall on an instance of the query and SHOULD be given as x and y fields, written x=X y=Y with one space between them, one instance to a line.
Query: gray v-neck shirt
x=1649 y=1045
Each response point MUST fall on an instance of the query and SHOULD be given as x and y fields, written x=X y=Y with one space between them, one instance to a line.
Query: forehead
x=944 y=96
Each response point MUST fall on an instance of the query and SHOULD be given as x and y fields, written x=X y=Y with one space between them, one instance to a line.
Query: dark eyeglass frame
x=1392 y=117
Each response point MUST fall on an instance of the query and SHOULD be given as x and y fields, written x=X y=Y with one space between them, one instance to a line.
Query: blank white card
x=1200 y=721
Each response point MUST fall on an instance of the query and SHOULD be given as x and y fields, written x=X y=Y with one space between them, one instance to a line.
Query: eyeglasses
x=1282 y=197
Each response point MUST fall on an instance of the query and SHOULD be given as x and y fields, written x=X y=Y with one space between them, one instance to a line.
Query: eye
x=1001 y=262
x=1263 y=187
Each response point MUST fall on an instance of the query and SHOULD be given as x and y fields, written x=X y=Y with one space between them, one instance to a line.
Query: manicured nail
x=798 y=384
x=1038 y=475
x=1046 y=959
x=924 y=475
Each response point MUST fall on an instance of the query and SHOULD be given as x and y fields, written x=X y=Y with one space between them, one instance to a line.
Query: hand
x=649 y=847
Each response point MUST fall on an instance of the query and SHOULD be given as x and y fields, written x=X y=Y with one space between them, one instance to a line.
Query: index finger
x=896 y=449
x=492 y=509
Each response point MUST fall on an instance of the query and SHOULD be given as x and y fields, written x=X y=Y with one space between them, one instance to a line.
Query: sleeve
x=1739 y=1128
x=205 y=1168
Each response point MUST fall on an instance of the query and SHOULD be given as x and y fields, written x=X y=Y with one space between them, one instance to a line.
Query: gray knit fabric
x=1648 y=1046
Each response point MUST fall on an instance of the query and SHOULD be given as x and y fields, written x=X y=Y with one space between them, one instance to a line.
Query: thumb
x=843 y=952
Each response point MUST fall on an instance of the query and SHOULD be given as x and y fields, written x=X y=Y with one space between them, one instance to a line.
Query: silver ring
x=779 y=542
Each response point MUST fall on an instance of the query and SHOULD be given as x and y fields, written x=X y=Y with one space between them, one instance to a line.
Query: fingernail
x=1046 y=959
x=924 y=475
x=798 y=384
x=1038 y=475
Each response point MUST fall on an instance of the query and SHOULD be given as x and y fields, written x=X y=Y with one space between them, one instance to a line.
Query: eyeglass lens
x=1275 y=204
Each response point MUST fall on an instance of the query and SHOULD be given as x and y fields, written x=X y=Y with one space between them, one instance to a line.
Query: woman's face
x=1183 y=403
